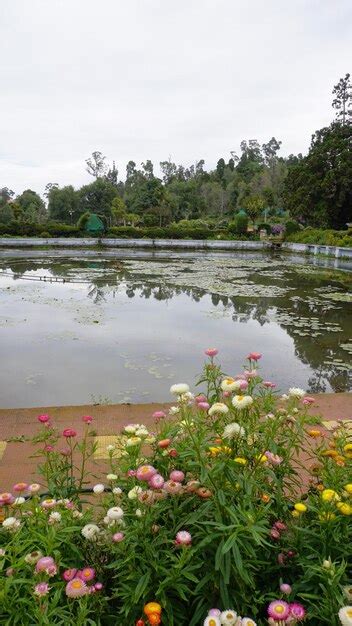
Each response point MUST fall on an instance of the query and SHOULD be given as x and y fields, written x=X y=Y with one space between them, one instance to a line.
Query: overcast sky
x=141 y=79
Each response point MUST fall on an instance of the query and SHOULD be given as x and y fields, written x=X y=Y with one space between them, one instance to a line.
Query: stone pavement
x=16 y=464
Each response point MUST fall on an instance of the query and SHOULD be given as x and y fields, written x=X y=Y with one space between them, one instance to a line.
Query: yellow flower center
x=349 y=612
x=279 y=609
x=212 y=622
x=77 y=584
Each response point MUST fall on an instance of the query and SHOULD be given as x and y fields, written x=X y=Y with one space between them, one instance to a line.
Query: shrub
x=291 y=226
x=239 y=225
x=45 y=234
x=264 y=226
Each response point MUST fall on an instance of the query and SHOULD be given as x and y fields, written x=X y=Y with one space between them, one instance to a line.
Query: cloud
x=152 y=78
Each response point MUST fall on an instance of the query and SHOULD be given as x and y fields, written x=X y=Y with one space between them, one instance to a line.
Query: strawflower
x=69 y=432
x=345 y=615
x=76 y=588
x=279 y=610
x=242 y=402
x=41 y=589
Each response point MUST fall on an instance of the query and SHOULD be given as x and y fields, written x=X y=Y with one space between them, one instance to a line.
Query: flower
x=219 y=408
x=156 y=481
x=134 y=492
x=347 y=590
x=115 y=513
x=230 y=384
x=159 y=415
x=69 y=574
x=177 y=476
x=183 y=538
x=43 y=419
x=98 y=489
x=151 y=608
x=228 y=617
x=240 y=460
x=273 y=459
x=11 y=523
x=34 y=488
x=232 y=430
x=90 y=531
x=215 y=612
x=19 y=487
x=254 y=356
x=345 y=615
x=268 y=384
x=33 y=557
x=300 y=507
x=111 y=477
x=279 y=610
x=69 y=432
x=296 y=392
x=132 y=442
x=76 y=588
x=86 y=574
x=285 y=588
x=117 y=491
x=328 y=495
x=6 y=498
x=87 y=419
x=308 y=400
x=174 y=410
x=297 y=611
x=19 y=501
x=145 y=472
x=179 y=388
x=212 y=620
x=211 y=352
x=247 y=621
x=117 y=537
x=41 y=589
x=242 y=402
x=172 y=487
x=48 y=503
x=44 y=563
x=203 y=406
x=54 y=517
x=348 y=488
x=344 y=508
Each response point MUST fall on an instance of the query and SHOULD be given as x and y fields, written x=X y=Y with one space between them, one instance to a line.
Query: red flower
x=69 y=432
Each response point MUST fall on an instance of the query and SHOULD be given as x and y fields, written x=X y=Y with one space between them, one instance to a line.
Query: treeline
x=257 y=184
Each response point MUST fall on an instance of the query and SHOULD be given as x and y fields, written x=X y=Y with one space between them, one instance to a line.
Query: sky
x=153 y=79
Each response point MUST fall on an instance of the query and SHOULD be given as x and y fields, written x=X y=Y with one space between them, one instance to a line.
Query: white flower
x=115 y=513
x=54 y=517
x=2 y=552
x=218 y=408
x=18 y=501
x=174 y=410
x=111 y=477
x=133 y=441
x=212 y=620
x=296 y=392
x=90 y=531
x=142 y=432
x=117 y=491
x=33 y=557
x=347 y=590
x=228 y=617
x=187 y=397
x=242 y=402
x=130 y=429
x=133 y=493
x=327 y=563
x=110 y=447
x=150 y=439
x=247 y=621
x=99 y=488
x=230 y=384
x=77 y=514
x=233 y=429
x=345 y=615
x=179 y=389
x=11 y=524
x=284 y=396
x=139 y=513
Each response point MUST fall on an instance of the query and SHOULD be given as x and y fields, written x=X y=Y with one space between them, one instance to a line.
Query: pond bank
x=179 y=244
x=15 y=461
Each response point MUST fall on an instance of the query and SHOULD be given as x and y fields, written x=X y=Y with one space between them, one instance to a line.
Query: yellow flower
x=330 y=453
x=348 y=447
x=262 y=458
x=295 y=513
x=327 y=517
x=152 y=607
x=344 y=508
x=348 y=488
x=314 y=433
x=240 y=460
x=300 y=507
x=329 y=494
x=214 y=450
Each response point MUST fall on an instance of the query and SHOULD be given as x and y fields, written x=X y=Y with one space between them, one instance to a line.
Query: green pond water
x=123 y=326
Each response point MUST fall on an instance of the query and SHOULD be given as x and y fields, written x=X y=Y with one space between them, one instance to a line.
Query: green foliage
x=316 y=236
x=291 y=227
x=264 y=226
x=97 y=197
x=239 y=225
x=63 y=204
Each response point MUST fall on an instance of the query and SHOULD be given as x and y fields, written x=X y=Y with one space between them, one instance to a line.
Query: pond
x=121 y=326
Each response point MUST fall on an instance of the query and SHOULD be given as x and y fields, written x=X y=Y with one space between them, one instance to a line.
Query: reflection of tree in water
x=316 y=352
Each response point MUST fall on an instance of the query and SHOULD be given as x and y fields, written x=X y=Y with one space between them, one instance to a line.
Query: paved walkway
x=16 y=464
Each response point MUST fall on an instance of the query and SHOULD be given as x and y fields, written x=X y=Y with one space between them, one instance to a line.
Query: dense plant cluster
x=323 y=237
x=234 y=509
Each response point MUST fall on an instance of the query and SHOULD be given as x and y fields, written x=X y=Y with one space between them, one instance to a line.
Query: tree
x=148 y=169
x=343 y=100
x=169 y=171
x=96 y=165
x=48 y=188
x=118 y=210
x=32 y=206
x=220 y=169
x=270 y=150
x=318 y=189
x=112 y=175
x=63 y=204
x=6 y=213
x=6 y=195
x=254 y=205
x=97 y=198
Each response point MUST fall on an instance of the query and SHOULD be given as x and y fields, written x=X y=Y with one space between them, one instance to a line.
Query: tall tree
x=96 y=165
x=343 y=100
x=32 y=206
x=112 y=175
x=63 y=204
x=97 y=198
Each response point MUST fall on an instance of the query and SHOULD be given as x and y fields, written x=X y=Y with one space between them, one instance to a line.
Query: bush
x=239 y=225
x=291 y=226
x=213 y=508
x=45 y=234
x=318 y=236
x=264 y=226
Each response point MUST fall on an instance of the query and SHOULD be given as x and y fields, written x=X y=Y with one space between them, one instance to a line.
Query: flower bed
x=235 y=511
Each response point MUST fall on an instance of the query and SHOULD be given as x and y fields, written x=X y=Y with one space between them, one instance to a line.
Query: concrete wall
x=188 y=244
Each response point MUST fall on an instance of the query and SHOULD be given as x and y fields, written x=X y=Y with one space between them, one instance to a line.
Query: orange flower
x=203 y=492
x=314 y=433
x=152 y=607
x=330 y=453
x=339 y=460
x=265 y=497
x=154 y=619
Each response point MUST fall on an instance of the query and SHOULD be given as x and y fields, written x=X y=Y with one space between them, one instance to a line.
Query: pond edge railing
x=174 y=244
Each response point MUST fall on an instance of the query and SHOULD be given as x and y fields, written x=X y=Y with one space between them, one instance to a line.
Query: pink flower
x=69 y=432
x=173 y=453
x=156 y=481
x=281 y=526
x=203 y=405
x=254 y=356
x=49 y=448
x=131 y=473
x=145 y=472
x=98 y=586
x=297 y=611
x=285 y=588
x=308 y=400
x=274 y=459
x=248 y=374
x=48 y=503
x=69 y=574
x=274 y=534
x=34 y=488
x=10 y=571
x=226 y=394
x=177 y=476
x=51 y=570
x=214 y=613
x=76 y=588
x=158 y=415
x=44 y=563
x=278 y=610
x=117 y=537
x=243 y=385
x=87 y=574
x=87 y=419
x=172 y=487
x=65 y=451
x=268 y=384
x=41 y=589
x=19 y=487
x=183 y=538
x=201 y=398
x=43 y=419
x=6 y=498
x=281 y=558
x=211 y=352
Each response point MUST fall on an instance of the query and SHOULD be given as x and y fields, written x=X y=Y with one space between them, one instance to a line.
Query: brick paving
x=16 y=464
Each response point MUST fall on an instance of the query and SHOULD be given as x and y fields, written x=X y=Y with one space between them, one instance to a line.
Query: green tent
x=242 y=212
x=94 y=225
